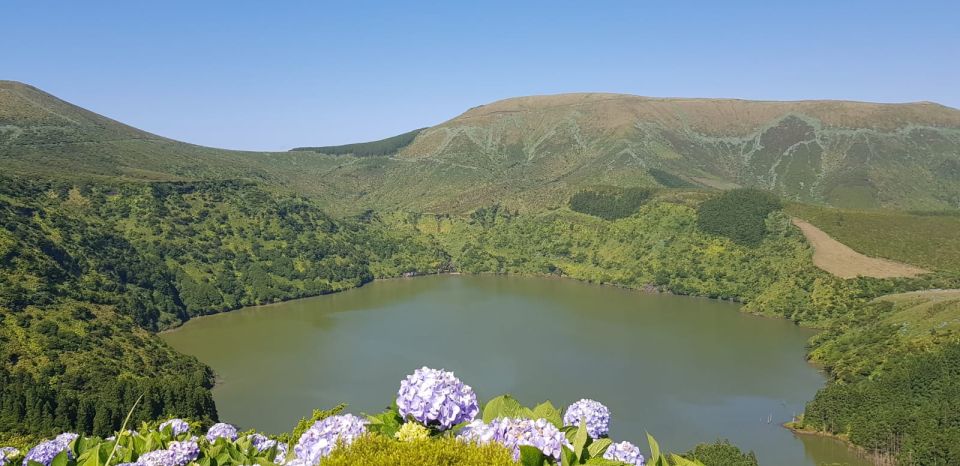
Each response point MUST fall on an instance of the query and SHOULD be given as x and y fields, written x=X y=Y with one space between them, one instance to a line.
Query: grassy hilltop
x=530 y=153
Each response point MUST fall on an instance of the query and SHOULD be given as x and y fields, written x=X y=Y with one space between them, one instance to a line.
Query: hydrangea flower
x=184 y=452
x=45 y=452
x=157 y=458
x=436 y=398
x=177 y=426
x=625 y=452
x=514 y=433
x=222 y=429
x=262 y=442
x=66 y=437
x=321 y=438
x=7 y=453
x=596 y=415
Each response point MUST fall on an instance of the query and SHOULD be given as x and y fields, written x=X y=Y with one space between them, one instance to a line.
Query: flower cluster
x=514 y=433
x=221 y=430
x=177 y=426
x=7 y=453
x=322 y=437
x=625 y=452
x=594 y=413
x=45 y=452
x=176 y=454
x=436 y=398
x=262 y=442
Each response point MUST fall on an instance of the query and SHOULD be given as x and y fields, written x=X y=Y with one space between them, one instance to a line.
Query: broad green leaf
x=60 y=460
x=525 y=413
x=603 y=462
x=580 y=440
x=681 y=461
x=547 y=411
x=501 y=406
x=531 y=456
x=599 y=447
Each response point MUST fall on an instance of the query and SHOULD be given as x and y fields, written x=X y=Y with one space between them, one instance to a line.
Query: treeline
x=609 y=202
x=87 y=272
x=387 y=146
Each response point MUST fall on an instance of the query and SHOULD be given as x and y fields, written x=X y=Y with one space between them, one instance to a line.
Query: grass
x=930 y=239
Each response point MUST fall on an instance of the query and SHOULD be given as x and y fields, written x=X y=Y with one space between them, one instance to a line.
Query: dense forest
x=89 y=271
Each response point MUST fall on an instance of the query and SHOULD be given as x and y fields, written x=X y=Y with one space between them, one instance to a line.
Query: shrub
x=721 y=453
x=375 y=450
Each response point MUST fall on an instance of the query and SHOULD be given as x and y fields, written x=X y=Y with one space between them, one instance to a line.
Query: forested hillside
x=87 y=273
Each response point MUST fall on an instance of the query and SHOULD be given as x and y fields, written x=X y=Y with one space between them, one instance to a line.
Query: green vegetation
x=382 y=451
x=738 y=214
x=87 y=273
x=387 y=146
x=108 y=234
x=610 y=202
x=721 y=452
x=928 y=239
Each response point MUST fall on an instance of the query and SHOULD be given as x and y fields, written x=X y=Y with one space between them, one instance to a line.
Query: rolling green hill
x=532 y=153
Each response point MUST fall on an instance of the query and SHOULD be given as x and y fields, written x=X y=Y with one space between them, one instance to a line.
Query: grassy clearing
x=924 y=239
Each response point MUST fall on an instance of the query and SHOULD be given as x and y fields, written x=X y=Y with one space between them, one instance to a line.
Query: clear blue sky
x=274 y=75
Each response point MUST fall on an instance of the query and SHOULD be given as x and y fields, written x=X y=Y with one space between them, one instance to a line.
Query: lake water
x=687 y=370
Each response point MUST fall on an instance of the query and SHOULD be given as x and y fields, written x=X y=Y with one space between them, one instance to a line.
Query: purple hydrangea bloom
x=177 y=426
x=596 y=415
x=66 y=437
x=625 y=452
x=184 y=452
x=157 y=458
x=262 y=442
x=436 y=398
x=222 y=429
x=321 y=438
x=514 y=433
x=7 y=453
x=45 y=452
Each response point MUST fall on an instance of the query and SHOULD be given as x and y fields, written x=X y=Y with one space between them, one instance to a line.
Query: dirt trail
x=838 y=259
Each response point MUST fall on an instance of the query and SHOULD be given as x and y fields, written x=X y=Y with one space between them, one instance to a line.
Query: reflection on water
x=685 y=369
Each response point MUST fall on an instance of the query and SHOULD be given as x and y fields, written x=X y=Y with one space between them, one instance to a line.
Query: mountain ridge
x=533 y=152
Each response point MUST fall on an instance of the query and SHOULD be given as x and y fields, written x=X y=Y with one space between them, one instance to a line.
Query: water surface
x=687 y=370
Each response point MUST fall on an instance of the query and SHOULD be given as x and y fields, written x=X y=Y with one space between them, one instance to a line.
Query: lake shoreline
x=874 y=458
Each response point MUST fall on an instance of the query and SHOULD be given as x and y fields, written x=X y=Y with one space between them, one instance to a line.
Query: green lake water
x=685 y=369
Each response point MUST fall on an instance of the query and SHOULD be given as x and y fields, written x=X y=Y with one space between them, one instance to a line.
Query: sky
x=276 y=75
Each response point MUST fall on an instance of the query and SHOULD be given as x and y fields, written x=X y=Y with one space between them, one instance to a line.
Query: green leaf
x=547 y=411
x=61 y=459
x=603 y=462
x=580 y=440
x=678 y=460
x=567 y=457
x=599 y=447
x=501 y=406
x=654 y=448
x=531 y=456
x=525 y=413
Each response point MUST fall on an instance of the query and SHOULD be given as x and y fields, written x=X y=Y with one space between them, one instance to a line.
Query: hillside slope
x=532 y=153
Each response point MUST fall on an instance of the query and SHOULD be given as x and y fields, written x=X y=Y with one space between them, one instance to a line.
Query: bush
x=721 y=453
x=377 y=450
x=739 y=214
